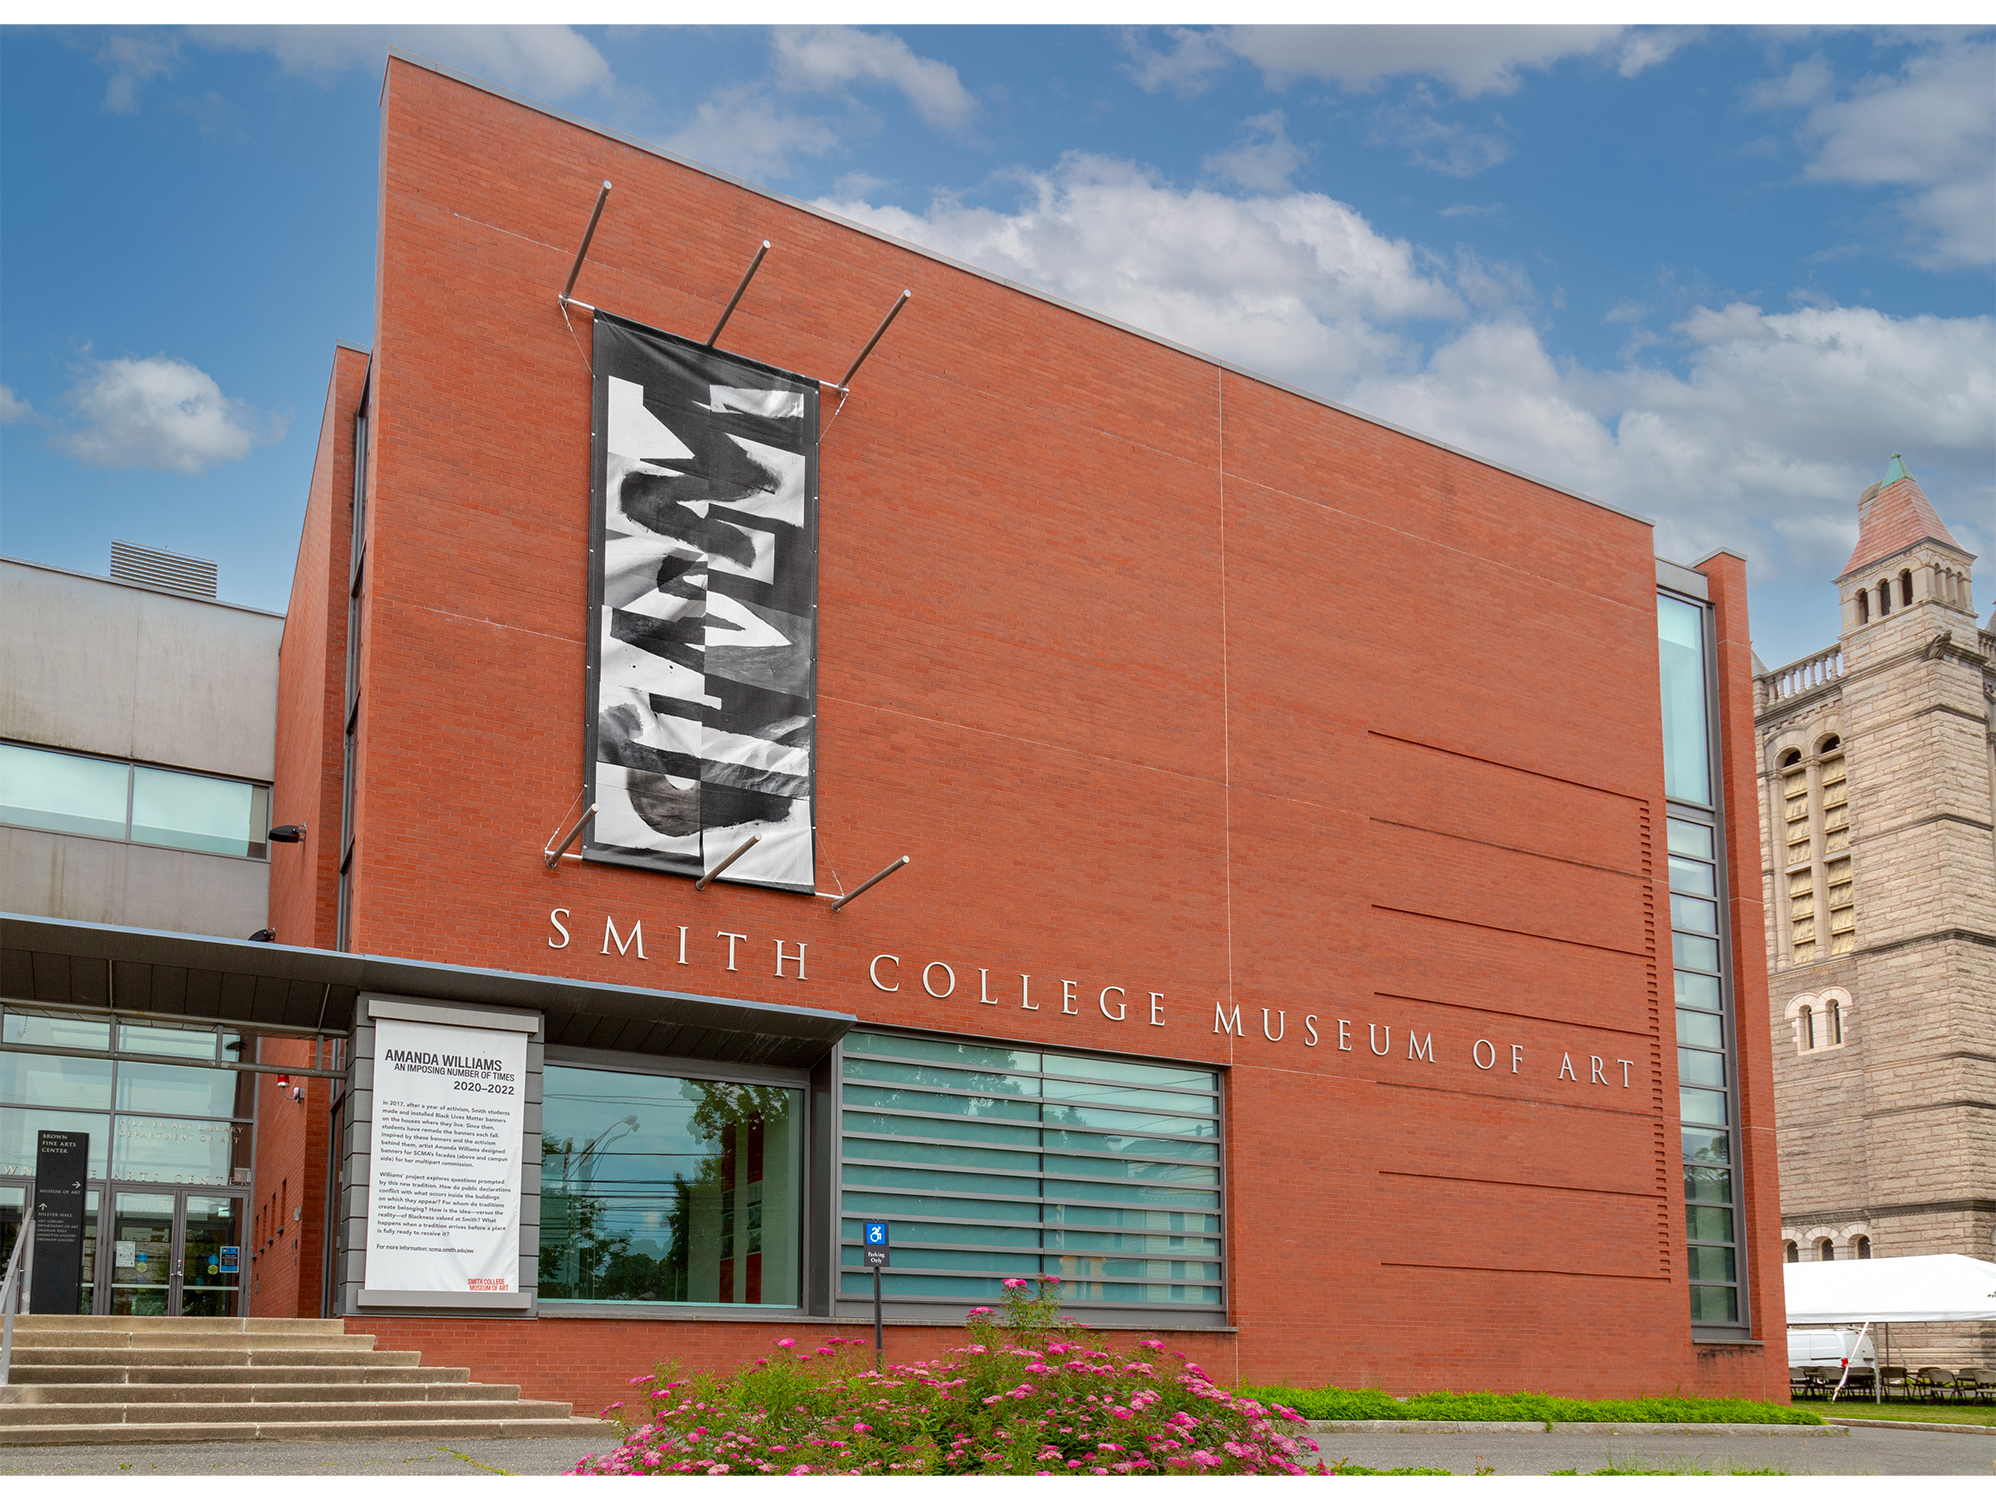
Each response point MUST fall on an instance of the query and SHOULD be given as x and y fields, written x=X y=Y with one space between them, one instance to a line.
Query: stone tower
x=1878 y=779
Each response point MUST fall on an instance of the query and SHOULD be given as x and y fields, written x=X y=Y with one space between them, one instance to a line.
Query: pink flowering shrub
x=1031 y=1397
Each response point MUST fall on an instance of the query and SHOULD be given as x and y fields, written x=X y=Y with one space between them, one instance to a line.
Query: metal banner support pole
x=602 y=197
x=747 y=276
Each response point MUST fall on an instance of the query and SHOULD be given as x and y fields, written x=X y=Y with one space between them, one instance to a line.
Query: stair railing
x=14 y=1288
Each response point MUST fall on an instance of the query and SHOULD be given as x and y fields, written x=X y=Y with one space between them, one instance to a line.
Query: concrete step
x=180 y=1355
x=182 y=1333
x=93 y=1323
x=303 y=1431
x=203 y=1413
x=314 y=1388
x=405 y=1372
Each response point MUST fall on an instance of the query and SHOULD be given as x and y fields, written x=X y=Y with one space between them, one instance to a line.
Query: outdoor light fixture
x=287 y=833
x=747 y=844
x=284 y=1086
x=264 y=935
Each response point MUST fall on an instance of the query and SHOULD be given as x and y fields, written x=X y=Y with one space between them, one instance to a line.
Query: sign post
x=874 y=1253
x=62 y=1161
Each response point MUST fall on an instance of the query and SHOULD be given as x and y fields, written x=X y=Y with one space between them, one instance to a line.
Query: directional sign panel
x=62 y=1160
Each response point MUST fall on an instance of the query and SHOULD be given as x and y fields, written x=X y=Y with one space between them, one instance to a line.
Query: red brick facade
x=1166 y=678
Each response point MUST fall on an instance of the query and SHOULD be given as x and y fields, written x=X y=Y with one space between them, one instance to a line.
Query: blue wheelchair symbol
x=875 y=1233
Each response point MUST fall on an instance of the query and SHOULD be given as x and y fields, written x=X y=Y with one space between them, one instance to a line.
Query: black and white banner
x=704 y=586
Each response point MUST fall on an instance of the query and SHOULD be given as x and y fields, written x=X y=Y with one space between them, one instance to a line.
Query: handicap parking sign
x=874 y=1232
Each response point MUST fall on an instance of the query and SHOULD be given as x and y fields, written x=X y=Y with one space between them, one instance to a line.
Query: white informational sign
x=444 y=1200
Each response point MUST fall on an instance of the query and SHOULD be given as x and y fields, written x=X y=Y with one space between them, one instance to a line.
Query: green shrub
x=1029 y=1398
x=1330 y=1404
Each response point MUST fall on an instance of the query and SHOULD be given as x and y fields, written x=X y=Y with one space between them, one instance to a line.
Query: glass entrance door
x=176 y=1252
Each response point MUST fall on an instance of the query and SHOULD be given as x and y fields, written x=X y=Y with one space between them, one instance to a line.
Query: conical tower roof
x=1891 y=516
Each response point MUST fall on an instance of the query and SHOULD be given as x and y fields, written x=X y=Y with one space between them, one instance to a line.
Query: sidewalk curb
x=1986 y=1428
x=1683 y=1429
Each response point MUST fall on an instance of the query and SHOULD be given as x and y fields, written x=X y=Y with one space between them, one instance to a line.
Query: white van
x=1831 y=1346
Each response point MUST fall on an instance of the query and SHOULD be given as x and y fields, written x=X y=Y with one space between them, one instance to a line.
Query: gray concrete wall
x=121 y=670
x=131 y=885
x=118 y=669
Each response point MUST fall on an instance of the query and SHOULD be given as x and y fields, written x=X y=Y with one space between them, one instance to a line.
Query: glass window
x=659 y=1189
x=1690 y=914
x=1698 y=990
x=18 y=1128
x=1705 y=1068
x=1689 y=951
x=58 y=1082
x=1708 y=1185
x=1680 y=634
x=173 y=1041
x=1715 y=1304
x=1696 y=1028
x=1103 y=1172
x=1690 y=838
x=161 y=1088
x=34 y=1029
x=151 y=1149
x=63 y=793
x=1702 y=1106
x=1693 y=876
x=198 y=812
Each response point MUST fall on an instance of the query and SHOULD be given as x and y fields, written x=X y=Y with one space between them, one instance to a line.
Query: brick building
x=1877 y=764
x=1281 y=976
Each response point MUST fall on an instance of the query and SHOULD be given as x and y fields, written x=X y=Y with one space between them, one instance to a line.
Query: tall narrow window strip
x=1687 y=768
x=1708 y=1104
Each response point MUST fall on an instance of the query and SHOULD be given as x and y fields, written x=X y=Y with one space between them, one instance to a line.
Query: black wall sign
x=62 y=1160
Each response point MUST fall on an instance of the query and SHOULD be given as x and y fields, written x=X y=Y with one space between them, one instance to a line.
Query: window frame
x=1713 y=816
x=132 y=767
x=909 y=1307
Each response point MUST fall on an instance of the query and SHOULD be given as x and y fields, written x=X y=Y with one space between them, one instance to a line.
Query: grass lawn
x=1900 y=1411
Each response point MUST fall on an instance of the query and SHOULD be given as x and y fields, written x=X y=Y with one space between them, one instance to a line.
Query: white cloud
x=1470 y=59
x=1262 y=158
x=552 y=62
x=131 y=60
x=1758 y=432
x=1454 y=150
x=156 y=413
x=1777 y=420
x=1185 y=68
x=1297 y=284
x=744 y=129
x=13 y=408
x=825 y=59
x=1931 y=129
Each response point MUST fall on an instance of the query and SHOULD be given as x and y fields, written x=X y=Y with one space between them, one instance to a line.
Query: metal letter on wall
x=62 y=1161
x=703 y=597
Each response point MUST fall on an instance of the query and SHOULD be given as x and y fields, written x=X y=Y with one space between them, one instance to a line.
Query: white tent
x=1904 y=1289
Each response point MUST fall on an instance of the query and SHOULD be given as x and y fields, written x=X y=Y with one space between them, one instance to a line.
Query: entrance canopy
x=1906 y=1289
x=129 y=969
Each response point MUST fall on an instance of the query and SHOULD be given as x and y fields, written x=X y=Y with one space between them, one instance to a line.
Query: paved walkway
x=1858 y=1451
x=459 y=1457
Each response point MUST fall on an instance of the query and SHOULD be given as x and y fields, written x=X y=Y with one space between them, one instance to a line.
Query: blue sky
x=1714 y=276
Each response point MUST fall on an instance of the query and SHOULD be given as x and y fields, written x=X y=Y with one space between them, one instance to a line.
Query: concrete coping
x=1618 y=1428
x=1987 y=1429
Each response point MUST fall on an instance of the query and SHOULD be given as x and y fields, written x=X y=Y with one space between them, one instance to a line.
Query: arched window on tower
x=1801 y=875
x=1790 y=1252
x=1825 y=1250
x=1861 y=1247
x=1884 y=596
x=1833 y=1013
x=1864 y=606
x=1905 y=585
x=1807 y=1029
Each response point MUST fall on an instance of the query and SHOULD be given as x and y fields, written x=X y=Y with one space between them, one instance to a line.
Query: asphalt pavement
x=1867 y=1450
x=1788 y=1450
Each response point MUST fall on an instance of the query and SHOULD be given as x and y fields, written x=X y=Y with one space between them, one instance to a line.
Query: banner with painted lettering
x=703 y=591
x=444 y=1200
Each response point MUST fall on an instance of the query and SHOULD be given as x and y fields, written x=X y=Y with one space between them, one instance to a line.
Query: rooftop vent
x=193 y=576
